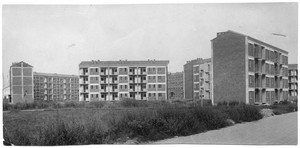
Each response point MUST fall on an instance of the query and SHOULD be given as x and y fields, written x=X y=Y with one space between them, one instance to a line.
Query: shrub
x=97 y=104
x=243 y=113
x=144 y=124
x=72 y=104
x=7 y=106
x=127 y=102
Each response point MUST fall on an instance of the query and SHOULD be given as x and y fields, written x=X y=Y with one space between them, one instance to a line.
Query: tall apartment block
x=197 y=79
x=21 y=83
x=175 y=86
x=55 y=87
x=248 y=70
x=113 y=80
x=293 y=81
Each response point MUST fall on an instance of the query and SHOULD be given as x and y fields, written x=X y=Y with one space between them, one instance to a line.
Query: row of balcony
x=132 y=95
x=111 y=81
x=122 y=71
x=261 y=53
x=122 y=89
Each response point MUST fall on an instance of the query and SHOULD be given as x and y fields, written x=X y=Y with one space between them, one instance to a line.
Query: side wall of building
x=228 y=56
x=188 y=81
x=21 y=82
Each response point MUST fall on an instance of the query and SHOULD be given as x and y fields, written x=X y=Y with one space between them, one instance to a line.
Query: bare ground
x=277 y=130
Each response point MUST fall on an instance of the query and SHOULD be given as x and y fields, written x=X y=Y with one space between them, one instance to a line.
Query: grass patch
x=131 y=121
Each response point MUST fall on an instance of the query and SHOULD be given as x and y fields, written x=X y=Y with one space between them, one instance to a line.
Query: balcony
x=104 y=90
x=104 y=72
x=84 y=83
x=142 y=72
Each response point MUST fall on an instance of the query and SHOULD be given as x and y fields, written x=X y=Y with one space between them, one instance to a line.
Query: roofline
x=54 y=74
x=122 y=62
x=256 y=40
x=293 y=66
x=20 y=62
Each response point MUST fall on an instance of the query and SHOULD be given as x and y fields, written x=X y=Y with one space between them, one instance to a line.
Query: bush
x=98 y=104
x=127 y=102
x=6 y=106
x=243 y=113
x=284 y=107
x=144 y=124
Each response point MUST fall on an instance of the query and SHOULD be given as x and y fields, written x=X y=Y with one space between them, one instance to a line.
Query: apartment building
x=197 y=79
x=248 y=70
x=175 y=86
x=201 y=80
x=293 y=81
x=21 y=83
x=55 y=87
x=188 y=78
x=113 y=80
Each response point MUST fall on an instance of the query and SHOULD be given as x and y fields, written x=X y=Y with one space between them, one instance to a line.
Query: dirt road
x=279 y=130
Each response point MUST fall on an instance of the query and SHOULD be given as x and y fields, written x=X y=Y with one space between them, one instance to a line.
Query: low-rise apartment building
x=113 y=80
x=248 y=70
x=293 y=81
x=175 y=86
x=55 y=87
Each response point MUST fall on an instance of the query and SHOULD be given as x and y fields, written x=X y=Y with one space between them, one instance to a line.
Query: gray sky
x=56 y=38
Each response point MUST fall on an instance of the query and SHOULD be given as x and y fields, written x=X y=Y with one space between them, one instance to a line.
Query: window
x=250 y=49
x=251 y=81
x=268 y=82
x=159 y=94
x=159 y=86
x=267 y=54
x=267 y=68
x=251 y=65
x=96 y=69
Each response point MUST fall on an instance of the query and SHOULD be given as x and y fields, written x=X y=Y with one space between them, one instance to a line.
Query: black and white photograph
x=150 y=74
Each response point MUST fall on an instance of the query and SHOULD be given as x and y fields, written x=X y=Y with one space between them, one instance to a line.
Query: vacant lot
x=120 y=122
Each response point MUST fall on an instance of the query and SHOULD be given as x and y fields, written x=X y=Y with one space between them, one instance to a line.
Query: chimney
x=220 y=33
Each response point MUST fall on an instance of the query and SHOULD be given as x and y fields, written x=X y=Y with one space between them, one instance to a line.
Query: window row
x=258 y=51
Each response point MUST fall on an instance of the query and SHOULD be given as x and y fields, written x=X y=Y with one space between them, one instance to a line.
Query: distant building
x=6 y=94
x=197 y=79
x=21 y=83
x=55 y=87
x=293 y=81
x=113 y=80
x=175 y=86
x=248 y=70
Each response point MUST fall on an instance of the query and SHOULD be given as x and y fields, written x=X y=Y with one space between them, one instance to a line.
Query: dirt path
x=279 y=130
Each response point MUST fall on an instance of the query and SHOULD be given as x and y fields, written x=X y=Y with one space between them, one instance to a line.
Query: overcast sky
x=56 y=38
